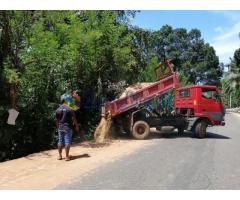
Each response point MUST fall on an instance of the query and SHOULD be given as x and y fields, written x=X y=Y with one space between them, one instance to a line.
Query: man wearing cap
x=65 y=118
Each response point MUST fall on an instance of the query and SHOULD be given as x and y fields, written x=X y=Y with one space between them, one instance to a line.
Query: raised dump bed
x=124 y=104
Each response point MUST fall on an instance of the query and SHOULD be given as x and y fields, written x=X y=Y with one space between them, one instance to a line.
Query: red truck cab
x=201 y=101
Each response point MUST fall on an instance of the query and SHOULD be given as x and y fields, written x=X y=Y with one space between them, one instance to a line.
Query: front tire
x=141 y=130
x=201 y=129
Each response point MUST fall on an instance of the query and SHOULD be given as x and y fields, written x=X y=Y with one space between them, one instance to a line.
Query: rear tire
x=200 y=129
x=141 y=130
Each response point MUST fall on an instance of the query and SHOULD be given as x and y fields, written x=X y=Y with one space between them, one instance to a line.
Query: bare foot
x=67 y=159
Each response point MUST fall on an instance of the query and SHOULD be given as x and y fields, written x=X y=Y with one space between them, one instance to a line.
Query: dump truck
x=192 y=108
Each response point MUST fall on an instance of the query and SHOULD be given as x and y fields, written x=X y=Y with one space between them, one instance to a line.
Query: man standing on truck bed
x=65 y=118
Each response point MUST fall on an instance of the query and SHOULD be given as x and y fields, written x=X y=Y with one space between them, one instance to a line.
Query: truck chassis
x=139 y=121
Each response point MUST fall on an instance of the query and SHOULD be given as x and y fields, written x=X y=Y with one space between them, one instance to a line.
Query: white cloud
x=230 y=33
x=233 y=15
x=218 y=29
x=227 y=39
x=229 y=14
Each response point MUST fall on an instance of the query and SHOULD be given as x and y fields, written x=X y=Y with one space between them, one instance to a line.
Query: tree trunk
x=230 y=101
x=13 y=95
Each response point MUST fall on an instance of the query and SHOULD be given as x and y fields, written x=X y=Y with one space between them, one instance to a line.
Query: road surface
x=174 y=162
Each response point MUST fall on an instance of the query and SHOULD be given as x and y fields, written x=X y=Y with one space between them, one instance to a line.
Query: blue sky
x=219 y=28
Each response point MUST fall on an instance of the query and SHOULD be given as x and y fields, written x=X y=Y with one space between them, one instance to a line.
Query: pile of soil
x=135 y=87
x=106 y=129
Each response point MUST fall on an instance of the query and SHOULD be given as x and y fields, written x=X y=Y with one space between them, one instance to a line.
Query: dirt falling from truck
x=106 y=129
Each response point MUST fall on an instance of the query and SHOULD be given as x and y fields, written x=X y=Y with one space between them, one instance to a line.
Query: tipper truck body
x=192 y=108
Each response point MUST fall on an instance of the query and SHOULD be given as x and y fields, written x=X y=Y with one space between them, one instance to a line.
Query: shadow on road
x=216 y=136
x=187 y=134
x=80 y=156
x=153 y=136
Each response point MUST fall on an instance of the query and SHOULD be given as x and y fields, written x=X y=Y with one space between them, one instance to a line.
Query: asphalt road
x=175 y=162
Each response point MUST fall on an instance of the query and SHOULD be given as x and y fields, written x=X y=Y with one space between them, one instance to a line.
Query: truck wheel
x=140 y=130
x=200 y=129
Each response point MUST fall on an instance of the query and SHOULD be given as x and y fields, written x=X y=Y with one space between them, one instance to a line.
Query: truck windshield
x=210 y=94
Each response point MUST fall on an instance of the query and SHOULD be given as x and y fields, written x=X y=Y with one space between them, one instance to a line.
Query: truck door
x=211 y=104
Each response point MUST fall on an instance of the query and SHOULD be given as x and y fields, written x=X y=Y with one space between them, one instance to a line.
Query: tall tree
x=196 y=59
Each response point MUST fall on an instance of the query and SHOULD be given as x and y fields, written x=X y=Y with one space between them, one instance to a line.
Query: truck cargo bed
x=124 y=104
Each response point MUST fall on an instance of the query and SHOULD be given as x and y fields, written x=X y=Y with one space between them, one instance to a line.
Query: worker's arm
x=75 y=122
x=77 y=127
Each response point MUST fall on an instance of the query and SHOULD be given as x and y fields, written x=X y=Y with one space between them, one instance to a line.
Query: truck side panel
x=121 y=105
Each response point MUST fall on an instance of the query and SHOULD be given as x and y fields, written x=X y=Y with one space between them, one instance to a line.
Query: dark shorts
x=64 y=137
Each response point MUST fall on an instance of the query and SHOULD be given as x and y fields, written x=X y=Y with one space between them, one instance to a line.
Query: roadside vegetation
x=46 y=53
x=231 y=82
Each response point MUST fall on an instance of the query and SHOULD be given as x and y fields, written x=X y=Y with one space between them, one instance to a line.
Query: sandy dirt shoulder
x=43 y=170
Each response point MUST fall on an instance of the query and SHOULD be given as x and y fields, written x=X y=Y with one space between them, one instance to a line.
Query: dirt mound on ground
x=105 y=130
